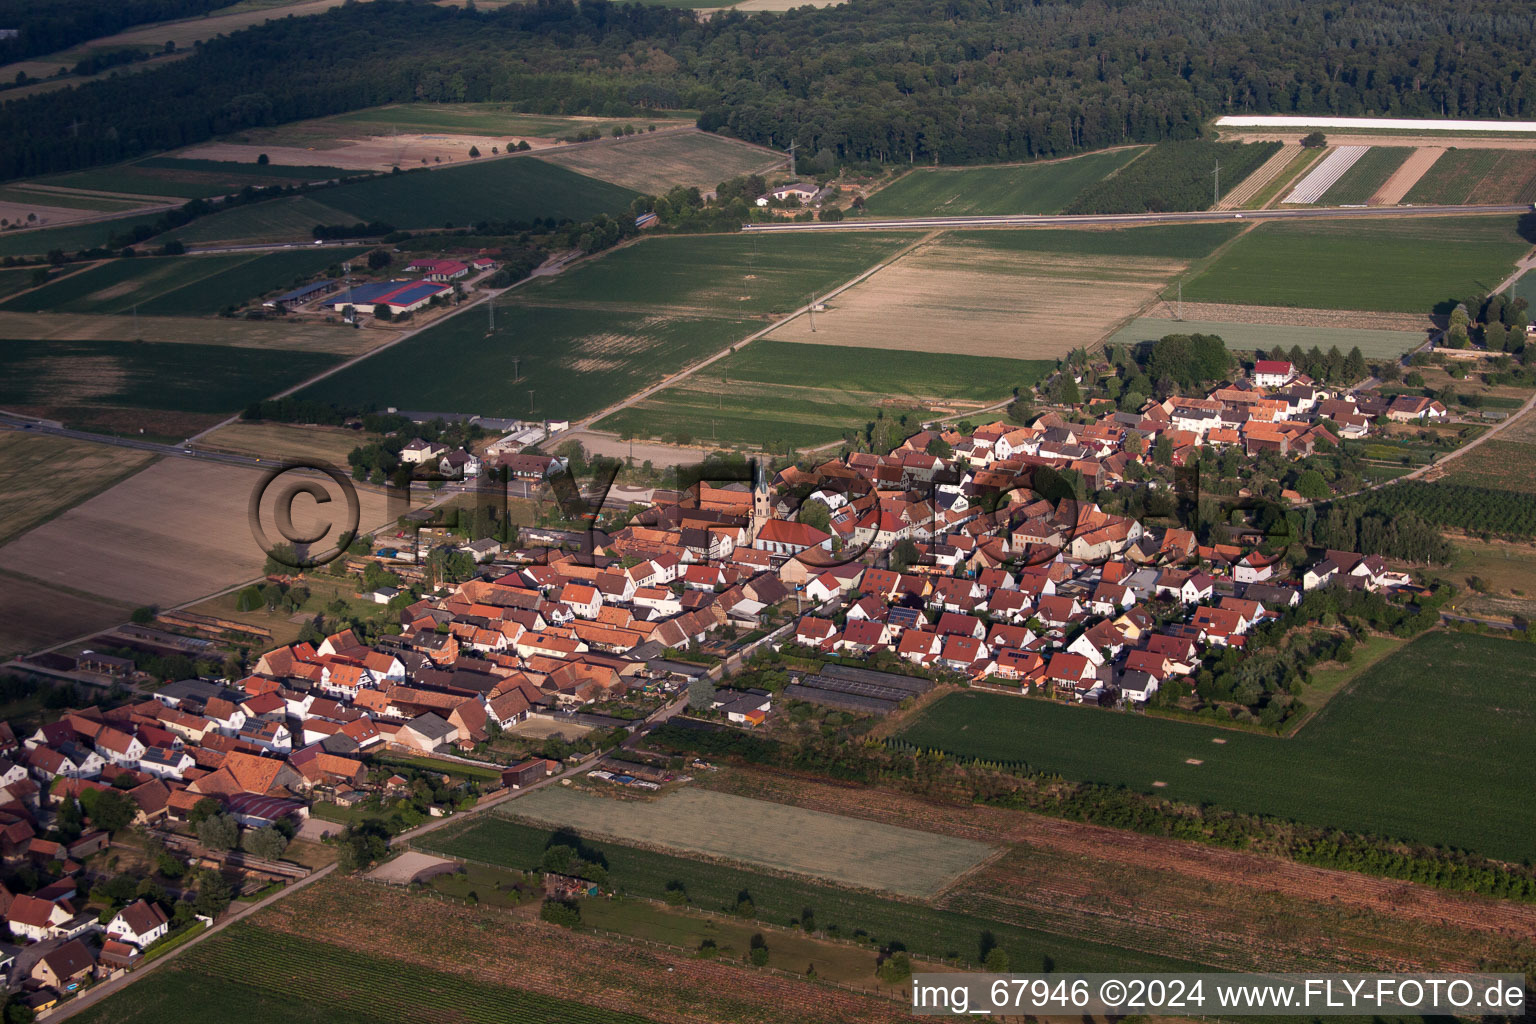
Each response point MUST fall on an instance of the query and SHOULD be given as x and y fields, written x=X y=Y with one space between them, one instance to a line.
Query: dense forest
x=947 y=81
x=42 y=28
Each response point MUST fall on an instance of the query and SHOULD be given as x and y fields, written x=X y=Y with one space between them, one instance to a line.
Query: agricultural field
x=519 y=190
x=251 y=975
x=65 y=376
x=792 y=839
x=1366 y=176
x=652 y=164
x=1269 y=174
x=777 y=900
x=609 y=326
x=1372 y=265
x=13 y=281
x=1325 y=174
x=991 y=293
x=1478 y=176
x=178 y=285
x=1046 y=187
x=1414 y=749
x=1174 y=176
x=278 y=335
x=26 y=194
x=1241 y=337
x=502 y=119
x=1183 y=899
x=291 y=218
x=287 y=441
x=70 y=238
x=1498 y=463
x=190 y=179
x=790 y=395
x=33 y=491
x=35 y=615
x=573 y=360
x=171 y=533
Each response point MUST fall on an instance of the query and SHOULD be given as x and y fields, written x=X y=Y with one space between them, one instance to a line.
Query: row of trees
x=948 y=81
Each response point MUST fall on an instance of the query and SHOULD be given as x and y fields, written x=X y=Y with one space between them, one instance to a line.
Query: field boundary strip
x=1325 y=175
x=1402 y=180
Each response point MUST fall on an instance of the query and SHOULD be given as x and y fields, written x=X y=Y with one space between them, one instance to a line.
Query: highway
x=1123 y=219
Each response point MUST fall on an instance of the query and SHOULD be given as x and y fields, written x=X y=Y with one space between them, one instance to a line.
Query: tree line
x=43 y=28
x=941 y=81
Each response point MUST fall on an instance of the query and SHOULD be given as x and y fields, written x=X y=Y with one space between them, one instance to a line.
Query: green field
x=177 y=285
x=608 y=327
x=1477 y=176
x=1024 y=188
x=291 y=218
x=13 y=281
x=719 y=275
x=770 y=835
x=20 y=193
x=1169 y=241
x=1384 y=265
x=1366 y=176
x=71 y=238
x=1431 y=744
x=710 y=885
x=250 y=975
x=795 y=394
x=575 y=361
x=1251 y=337
x=190 y=179
x=518 y=189
x=148 y=375
x=488 y=119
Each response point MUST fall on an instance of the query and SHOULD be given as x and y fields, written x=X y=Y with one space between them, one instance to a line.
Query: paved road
x=1121 y=219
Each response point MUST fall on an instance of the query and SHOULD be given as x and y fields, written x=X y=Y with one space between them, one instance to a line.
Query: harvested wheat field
x=174 y=532
x=962 y=295
x=655 y=162
x=801 y=840
x=285 y=441
x=32 y=487
x=1405 y=177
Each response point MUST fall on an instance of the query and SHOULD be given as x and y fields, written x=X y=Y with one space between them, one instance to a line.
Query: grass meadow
x=482 y=119
x=1366 y=264
x=1427 y=745
x=177 y=285
x=1021 y=188
x=70 y=238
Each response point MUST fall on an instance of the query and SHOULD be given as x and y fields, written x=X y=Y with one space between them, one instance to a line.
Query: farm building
x=806 y=194
x=299 y=296
x=441 y=271
x=399 y=296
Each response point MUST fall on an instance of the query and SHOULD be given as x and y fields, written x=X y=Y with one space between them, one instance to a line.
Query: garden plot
x=1325 y=175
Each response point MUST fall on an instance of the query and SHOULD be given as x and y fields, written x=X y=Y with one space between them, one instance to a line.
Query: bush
x=561 y=912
